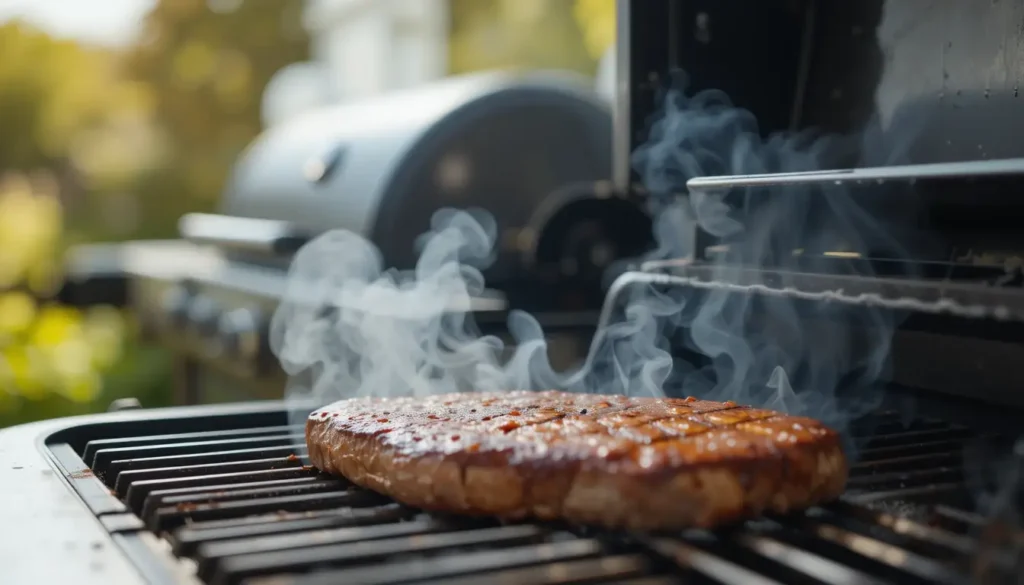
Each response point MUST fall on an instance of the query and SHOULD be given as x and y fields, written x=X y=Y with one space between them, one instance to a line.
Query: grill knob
x=203 y=317
x=174 y=307
x=241 y=336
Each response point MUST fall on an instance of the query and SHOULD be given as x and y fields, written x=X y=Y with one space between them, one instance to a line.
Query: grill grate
x=239 y=506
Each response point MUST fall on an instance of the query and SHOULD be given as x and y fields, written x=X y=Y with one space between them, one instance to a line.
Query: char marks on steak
x=612 y=461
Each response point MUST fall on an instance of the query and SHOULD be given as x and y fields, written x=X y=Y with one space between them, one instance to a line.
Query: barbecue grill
x=223 y=494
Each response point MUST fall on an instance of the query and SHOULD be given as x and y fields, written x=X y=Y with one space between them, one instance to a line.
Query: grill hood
x=501 y=141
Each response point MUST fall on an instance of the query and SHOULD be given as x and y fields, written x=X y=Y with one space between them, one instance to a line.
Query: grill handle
x=242 y=234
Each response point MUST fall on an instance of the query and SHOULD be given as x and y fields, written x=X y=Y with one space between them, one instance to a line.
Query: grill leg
x=187 y=389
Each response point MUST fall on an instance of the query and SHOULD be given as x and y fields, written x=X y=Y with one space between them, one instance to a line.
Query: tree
x=54 y=97
x=597 y=19
x=207 y=64
x=489 y=34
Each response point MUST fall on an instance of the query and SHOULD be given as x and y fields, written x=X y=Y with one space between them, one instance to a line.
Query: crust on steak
x=611 y=461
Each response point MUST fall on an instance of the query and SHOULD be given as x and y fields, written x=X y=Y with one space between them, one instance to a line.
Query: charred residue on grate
x=907 y=517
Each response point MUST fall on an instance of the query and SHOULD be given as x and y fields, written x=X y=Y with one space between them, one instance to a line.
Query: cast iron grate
x=238 y=505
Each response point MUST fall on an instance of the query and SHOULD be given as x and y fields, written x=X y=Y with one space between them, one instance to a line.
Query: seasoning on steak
x=612 y=461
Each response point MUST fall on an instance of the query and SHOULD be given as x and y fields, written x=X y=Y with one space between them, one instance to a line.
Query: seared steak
x=612 y=461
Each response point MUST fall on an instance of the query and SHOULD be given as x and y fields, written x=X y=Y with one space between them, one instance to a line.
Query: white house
x=361 y=48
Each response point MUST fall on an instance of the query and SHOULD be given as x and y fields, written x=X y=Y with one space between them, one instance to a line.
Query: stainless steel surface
x=51 y=534
x=877 y=175
x=622 y=141
x=262 y=236
x=124 y=404
x=969 y=353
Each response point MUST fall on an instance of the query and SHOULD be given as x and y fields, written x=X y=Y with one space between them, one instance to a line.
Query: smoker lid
x=330 y=168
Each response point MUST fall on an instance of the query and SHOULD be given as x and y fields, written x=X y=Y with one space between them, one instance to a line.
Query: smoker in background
x=532 y=149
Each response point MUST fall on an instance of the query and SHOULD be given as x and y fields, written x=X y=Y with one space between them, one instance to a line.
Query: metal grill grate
x=239 y=506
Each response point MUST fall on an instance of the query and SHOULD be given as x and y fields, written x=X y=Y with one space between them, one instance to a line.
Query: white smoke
x=349 y=327
x=819 y=359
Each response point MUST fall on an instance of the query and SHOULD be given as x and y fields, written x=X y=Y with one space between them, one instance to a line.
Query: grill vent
x=236 y=504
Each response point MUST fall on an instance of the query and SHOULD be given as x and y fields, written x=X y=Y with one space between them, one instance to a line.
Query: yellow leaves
x=229 y=72
x=194 y=64
x=50 y=349
x=71 y=369
x=137 y=97
x=105 y=330
x=597 y=20
x=22 y=372
x=55 y=325
x=523 y=11
x=17 y=313
x=53 y=92
x=543 y=34
x=181 y=9
x=30 y=228
x=61 y=351
x=234 y=81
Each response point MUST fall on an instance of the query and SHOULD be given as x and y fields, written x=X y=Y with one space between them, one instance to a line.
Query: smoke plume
x=348 y=326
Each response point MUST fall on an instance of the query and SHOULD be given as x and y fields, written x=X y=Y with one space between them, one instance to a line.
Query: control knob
x=174 y=307
x=242 y=338
x=203 y=316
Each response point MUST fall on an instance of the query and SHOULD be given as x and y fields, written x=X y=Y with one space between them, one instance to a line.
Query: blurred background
x=119 y=116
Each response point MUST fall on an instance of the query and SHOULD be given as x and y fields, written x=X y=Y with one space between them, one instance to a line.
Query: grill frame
x=150 y=553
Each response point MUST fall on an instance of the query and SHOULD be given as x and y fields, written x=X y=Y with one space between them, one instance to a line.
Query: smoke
x=820 y=359
x=349 y=327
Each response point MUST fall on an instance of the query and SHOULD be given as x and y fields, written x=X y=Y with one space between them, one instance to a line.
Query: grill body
x=522 y=146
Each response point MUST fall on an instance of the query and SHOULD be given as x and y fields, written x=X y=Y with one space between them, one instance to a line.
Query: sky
x=106 y=22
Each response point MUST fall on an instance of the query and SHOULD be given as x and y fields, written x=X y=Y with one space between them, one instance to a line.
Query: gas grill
x=223 y=493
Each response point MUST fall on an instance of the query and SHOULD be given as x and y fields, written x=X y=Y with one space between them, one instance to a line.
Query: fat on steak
x=611 y=461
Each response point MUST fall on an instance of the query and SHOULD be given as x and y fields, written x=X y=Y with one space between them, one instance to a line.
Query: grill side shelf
x=126 y=530
x=97 y=496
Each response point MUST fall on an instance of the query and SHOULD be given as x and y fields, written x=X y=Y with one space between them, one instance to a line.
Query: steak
x=610 y=461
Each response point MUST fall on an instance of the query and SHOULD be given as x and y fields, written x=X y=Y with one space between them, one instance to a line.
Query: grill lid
x=499 y=141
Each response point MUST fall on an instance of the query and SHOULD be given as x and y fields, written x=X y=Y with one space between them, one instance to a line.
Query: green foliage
x=53 y=359
x=597 y=19
x=53 y=94
x=490 y=34
x=50 y=89
x=100 y=144
x=207 y=71
x=118 y=144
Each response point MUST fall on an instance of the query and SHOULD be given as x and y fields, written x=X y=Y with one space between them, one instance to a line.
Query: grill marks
x=485 y=427
x=627 y=462
x=647 y=425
